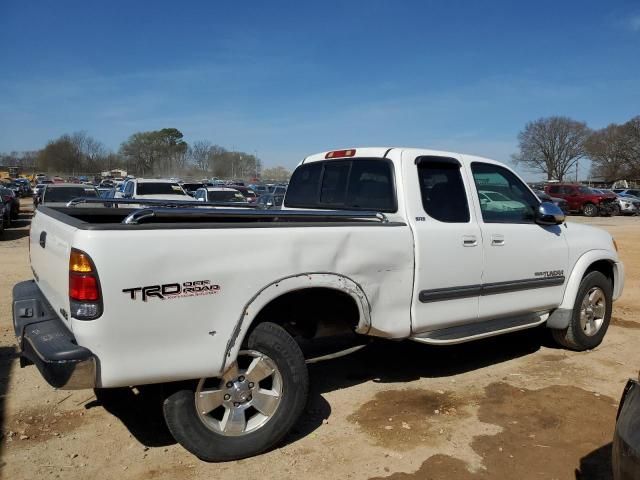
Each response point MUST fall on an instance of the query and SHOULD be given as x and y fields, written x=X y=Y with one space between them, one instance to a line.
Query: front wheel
x=591 y=314
x=250 y=408
x=590 y=210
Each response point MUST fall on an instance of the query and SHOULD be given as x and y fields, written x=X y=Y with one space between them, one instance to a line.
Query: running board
x=476 y=331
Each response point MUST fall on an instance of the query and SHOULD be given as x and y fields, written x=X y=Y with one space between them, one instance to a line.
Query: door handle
x=497 y=240
x=469 y=240
x=43 y=239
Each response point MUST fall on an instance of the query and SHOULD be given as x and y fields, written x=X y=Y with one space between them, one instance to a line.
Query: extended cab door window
x=504 y=198
x=443 y=194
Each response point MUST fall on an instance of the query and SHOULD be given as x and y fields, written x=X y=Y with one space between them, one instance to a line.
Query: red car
x=585 y=200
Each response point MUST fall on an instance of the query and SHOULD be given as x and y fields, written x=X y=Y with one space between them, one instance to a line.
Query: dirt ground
x=509 y=407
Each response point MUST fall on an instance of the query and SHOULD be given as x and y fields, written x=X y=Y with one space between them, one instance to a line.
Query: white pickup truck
x=217 y=303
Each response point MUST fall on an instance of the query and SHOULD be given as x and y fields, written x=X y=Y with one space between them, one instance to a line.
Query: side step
x=476 y=331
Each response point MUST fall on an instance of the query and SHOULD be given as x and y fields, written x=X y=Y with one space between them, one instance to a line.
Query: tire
x=590 y=210
x=578 y=336
x=202 y=434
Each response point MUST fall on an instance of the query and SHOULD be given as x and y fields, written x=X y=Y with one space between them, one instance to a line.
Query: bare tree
x=199 y=155
x=552 y=145
x=615 y=151
x=277 y=174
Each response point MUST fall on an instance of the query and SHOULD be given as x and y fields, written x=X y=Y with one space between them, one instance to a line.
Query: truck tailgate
x=50 y=245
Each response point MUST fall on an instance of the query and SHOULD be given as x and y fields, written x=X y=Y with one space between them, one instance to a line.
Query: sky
x=287 y=79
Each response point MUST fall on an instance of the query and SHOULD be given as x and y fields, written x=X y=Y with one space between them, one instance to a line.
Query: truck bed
x=100 y=218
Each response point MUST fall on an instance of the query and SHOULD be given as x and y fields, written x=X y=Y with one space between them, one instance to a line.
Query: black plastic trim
x=43 y=338
x=437 y=159
x=467 y=291
x=451 y=293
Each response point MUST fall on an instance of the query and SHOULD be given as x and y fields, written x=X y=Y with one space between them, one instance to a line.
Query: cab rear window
x=358 y=184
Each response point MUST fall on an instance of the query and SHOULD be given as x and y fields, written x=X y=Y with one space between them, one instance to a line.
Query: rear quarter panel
x=159 y=340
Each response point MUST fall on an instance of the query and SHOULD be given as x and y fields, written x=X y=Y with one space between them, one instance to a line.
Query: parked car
x=627 y=204
x=497 y=202
x=559 y=202
x=220 y=194
x=25 y=186
x=584 y=199
x=260 y=189
x=11 y=201
x=191 y=188
x=59 y=194
x=269 y=201
x=381 y=242
x=278 y=189
x=247 y=193
x=105 y=192
x=628 y=191
x=626 y=438
x=153 y=189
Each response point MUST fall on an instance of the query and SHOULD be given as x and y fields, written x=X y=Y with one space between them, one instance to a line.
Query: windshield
x=226 y=196
x=160 y=188
x=586 y=190
x=64 y=194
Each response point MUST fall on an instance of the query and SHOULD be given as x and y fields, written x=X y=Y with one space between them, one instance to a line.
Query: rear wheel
x=590 y=210
x=591 y=314
x=250 y=408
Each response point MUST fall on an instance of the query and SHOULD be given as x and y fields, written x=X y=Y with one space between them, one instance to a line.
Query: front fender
x=560 y=317
x=288 y=284
x=581 y=266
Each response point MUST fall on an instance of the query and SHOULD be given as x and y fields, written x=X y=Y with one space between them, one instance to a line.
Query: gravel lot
x=509 y=407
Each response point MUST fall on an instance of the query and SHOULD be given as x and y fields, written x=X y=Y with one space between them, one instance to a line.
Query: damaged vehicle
x=370 y=242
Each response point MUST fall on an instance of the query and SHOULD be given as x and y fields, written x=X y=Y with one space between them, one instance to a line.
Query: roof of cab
x=382 y=152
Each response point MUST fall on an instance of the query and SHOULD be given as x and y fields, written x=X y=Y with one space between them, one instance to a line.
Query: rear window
x=360 y=184
x=160 y=188
x=192 y=187
x=64 y=194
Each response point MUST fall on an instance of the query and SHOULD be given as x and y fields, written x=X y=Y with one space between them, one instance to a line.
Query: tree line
x=153 y=153
x=554 y=146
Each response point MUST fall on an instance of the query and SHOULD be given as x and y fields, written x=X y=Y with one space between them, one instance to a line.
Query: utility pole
x=577 y=165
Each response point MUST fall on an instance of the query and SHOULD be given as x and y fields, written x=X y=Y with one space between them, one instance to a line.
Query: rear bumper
x=46 y=342
x=626 y=440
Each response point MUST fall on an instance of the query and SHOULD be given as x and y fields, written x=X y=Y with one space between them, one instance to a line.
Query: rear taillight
x=85 y=298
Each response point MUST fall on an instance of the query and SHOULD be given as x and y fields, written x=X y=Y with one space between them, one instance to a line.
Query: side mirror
x=549 y=214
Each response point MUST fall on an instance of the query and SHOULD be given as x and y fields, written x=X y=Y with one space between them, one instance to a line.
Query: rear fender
x=288 y=284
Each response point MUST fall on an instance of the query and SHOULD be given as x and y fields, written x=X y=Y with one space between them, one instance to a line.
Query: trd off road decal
x=169 y=291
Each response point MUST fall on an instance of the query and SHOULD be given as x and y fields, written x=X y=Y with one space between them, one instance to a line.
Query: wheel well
x=603 y=266
x=312 y=312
